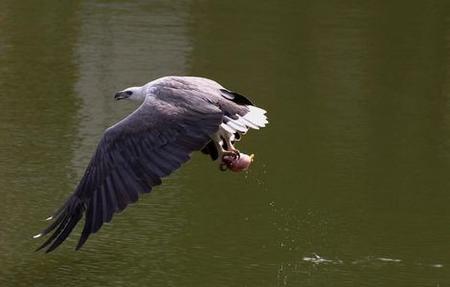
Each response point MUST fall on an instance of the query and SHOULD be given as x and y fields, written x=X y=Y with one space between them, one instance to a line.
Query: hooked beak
x=121 y=95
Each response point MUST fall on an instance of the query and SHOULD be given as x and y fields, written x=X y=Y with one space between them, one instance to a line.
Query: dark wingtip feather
x=67 y=219
x=82 y=241
x=235 y=97
x=67 y=230
x=55 y=234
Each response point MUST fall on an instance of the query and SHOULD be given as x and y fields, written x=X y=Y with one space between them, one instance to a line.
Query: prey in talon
x=241 y=163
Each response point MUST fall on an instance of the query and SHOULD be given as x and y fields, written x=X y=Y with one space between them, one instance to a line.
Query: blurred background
x=350 y=186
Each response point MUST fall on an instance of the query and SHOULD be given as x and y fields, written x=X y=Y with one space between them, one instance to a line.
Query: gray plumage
x=178 y=115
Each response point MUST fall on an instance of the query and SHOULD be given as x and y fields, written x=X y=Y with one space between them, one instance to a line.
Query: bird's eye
x=129 y=93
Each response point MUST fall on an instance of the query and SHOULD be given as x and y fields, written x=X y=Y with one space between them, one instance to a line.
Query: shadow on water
x=349 y=186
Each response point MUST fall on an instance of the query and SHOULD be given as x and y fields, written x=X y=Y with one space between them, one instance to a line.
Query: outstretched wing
x=131 y=158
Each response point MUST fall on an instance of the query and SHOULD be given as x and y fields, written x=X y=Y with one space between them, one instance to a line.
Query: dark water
x=351 y=183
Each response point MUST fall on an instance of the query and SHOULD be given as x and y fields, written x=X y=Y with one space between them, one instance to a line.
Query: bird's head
x=133 y=93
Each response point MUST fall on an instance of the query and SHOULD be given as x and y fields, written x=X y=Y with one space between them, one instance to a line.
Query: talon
x=234 y=154
x=223 y=166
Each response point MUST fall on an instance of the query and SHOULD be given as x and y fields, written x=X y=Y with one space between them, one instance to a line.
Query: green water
x=351 y=183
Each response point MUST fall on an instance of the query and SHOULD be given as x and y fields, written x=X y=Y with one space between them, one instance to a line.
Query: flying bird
x=177 y=116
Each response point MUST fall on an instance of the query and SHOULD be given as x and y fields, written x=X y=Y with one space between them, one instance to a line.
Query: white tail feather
x=237 y=126
x=228 y=128
x=256 y=116
x=255 y=119
x=249 y=123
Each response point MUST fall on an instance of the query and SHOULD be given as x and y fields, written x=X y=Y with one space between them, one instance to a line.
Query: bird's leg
x=231 y=150
x=221 y=152
x=226 y=151
x=219 y=143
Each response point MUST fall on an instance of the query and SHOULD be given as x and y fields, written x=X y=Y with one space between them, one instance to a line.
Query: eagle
x=177 y=116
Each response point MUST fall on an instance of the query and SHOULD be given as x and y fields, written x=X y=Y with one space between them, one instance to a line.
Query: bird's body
x=178 y=115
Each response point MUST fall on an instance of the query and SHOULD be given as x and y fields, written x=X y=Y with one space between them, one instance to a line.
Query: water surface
x=350 y=185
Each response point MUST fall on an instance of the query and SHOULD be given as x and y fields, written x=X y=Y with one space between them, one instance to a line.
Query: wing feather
x=131 y=158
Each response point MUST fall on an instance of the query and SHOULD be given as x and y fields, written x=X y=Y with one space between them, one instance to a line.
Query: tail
x=67 y=218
